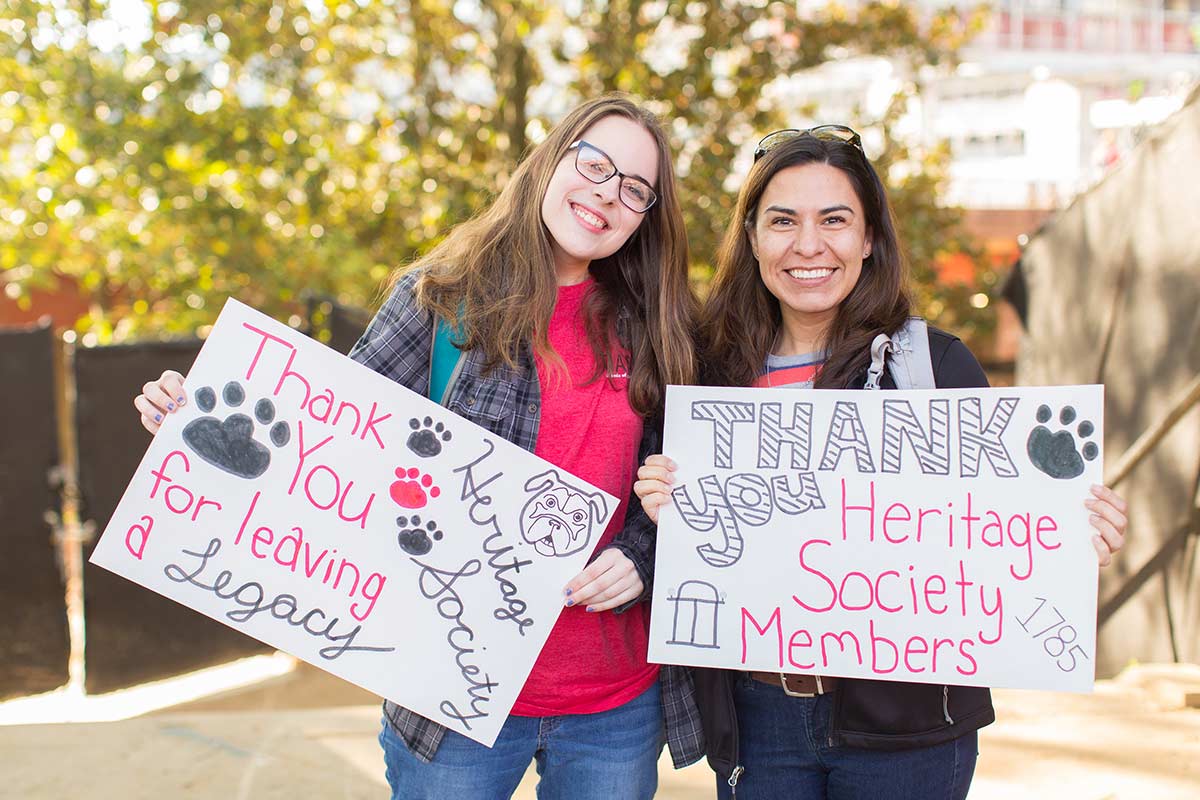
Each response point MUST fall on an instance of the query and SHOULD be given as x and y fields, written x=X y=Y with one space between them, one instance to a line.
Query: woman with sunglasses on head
x=572 y=312
x=806 y=281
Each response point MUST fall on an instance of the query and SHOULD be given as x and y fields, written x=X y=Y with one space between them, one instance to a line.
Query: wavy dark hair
x=740 y=318
x=495 y=274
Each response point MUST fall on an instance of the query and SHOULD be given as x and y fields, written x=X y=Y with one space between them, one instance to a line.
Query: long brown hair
x=494 y=274
x=741 y=318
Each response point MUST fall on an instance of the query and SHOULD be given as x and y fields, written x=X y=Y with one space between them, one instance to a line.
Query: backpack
x=909 y=363
x=445 y=360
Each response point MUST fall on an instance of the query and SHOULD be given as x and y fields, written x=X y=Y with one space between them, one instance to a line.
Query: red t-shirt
x=592 y=661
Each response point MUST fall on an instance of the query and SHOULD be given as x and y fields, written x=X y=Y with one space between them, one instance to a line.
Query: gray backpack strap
x=911 y=365
x=879 y=352
x=906 y=353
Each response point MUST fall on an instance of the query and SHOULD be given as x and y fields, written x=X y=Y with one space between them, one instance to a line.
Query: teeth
x=589 y=217
x=810 y=274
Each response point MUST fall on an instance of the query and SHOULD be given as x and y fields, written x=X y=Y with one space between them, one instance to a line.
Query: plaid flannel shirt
x=507 y=402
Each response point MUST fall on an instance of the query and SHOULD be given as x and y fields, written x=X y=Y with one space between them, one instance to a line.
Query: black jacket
x=876 y=715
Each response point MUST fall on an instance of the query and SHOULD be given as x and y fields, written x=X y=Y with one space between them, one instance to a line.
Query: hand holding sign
x=159 y=398
x=610 y=581
x=653 y=487
x=1108 y=518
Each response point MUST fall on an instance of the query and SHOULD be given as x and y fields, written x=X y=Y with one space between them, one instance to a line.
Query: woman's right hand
x=653 y=486
x=159 y=398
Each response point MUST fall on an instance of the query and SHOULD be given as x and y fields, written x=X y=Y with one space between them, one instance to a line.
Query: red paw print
x=414 y=488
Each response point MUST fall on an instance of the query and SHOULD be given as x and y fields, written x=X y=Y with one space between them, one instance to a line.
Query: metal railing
x=1019 y=25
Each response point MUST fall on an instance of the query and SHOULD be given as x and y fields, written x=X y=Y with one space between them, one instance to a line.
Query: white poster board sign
x=926 y=536
x=324 y=509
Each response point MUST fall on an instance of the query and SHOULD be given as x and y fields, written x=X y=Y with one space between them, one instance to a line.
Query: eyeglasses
x=595 y=165
x=828 y=133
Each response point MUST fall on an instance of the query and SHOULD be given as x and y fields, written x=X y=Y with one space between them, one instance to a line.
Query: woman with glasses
x=571 y=311
x=806 y=280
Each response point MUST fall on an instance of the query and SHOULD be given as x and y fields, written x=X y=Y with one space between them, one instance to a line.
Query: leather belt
x=798 y=685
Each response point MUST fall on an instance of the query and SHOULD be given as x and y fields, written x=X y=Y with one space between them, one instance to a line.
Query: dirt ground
x=308 y=734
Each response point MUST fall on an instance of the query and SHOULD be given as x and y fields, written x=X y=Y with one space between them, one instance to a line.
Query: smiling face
x=810 y=237
x=587 y=220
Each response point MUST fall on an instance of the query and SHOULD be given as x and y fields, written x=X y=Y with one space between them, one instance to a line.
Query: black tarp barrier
x=334 y=324
x=133 y=634
x=34 y=644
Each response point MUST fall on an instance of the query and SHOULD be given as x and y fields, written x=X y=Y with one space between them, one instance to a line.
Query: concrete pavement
x=1132 y=739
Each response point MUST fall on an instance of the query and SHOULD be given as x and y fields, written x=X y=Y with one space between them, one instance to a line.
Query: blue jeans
x=611 y=754
x=783 y=744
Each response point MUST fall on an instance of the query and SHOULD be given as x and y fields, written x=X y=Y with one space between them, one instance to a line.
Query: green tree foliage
x=274 y=147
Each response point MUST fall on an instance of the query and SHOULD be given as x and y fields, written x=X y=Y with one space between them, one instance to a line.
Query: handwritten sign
x=924 y=536
x=333 y=514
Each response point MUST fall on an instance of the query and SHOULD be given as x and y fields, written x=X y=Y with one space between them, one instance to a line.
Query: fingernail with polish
x=158 y=417
x=181 y=401
x=570 y=603
x=170 y=406
x=589 y=608
x=568 y=592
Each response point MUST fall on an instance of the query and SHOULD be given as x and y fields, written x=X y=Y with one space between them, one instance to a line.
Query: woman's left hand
x=1108 y=518
x=610 y=581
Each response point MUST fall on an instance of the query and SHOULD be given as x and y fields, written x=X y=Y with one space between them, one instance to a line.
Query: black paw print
x=414 y=540
x=1056 y=454
x=229 y=443
x=424 y=439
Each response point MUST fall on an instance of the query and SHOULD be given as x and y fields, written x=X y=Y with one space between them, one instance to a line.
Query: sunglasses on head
x=829 y=133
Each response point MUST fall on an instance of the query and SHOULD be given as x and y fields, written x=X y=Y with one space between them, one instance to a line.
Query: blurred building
x=1054 y=93
x=1046 y=100
x=58 y=305
x=1049 y=98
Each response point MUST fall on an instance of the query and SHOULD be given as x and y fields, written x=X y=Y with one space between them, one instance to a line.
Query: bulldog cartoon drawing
x=557 y=520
